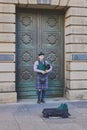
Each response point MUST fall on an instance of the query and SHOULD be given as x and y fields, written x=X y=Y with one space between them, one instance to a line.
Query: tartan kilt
x=40 y=86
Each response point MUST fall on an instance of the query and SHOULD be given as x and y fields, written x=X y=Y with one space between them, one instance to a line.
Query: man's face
x=41 y=57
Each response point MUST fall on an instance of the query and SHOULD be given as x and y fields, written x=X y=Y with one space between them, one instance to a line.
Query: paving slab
x=28 y=116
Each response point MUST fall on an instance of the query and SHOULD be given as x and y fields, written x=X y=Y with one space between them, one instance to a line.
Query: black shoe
x=42 y=101
x=38 y=102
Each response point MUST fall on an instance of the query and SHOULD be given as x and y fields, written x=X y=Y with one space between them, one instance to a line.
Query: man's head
x=41 y=56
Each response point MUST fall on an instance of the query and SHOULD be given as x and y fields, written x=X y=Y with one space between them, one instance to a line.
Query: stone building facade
x=75 y=45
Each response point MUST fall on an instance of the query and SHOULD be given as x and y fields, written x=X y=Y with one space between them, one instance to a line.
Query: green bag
x=63 y=106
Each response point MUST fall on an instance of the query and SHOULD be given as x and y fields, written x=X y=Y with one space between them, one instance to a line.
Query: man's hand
x=46 y=71
x=43 y=72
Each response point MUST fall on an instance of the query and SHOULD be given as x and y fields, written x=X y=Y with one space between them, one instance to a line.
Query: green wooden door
x=39 y=30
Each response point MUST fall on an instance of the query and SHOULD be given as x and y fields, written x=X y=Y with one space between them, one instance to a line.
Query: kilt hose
x=41 y=87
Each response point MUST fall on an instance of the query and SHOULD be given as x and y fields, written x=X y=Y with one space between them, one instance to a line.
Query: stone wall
x=75 y=43
x=7 y=46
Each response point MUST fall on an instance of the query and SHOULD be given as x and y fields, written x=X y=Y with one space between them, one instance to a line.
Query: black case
x=54 y=112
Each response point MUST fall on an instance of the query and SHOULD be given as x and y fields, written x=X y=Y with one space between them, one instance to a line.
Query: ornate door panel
x=37 y=31
x=52 y=44
x=26 y=54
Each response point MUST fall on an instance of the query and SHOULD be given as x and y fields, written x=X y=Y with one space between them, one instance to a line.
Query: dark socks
x=39 y=96
x=43 y=95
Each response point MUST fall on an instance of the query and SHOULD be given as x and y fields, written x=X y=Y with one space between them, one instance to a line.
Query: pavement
x=27 y=115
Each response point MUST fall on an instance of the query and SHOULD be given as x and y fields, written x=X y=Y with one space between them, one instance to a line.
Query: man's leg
x=43 y=96
x=39 y=96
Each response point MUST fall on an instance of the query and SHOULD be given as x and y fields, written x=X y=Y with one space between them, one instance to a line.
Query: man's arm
x=37 y=70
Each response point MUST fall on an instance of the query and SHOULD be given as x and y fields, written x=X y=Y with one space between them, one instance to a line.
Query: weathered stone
x=76 y=84
x=63 y=3
x=32 y=1
x=81 y=48
x=7 y=37
x=68 y=57
x=76 y=12
x=7 y=18
x=76 y=39
x=76 y=94
x=23 y=1
x=76 y=30
x=78 y=21
x=8 y=97
x=7 y=67
x=9 y=1
x=8 y=8
x=55 y=2
x=67 y=75
x=7 y=47
x=77 y=75
x=77 y=3
x=76 y=66
x=7 y=27
x=7 y=87
x=7 y=77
